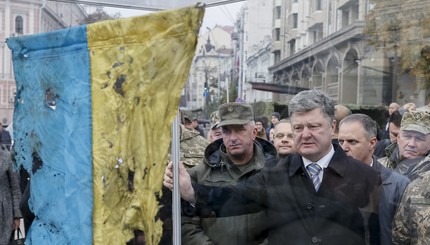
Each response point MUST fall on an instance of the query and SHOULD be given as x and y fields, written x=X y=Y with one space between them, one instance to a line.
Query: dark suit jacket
x=337 y=214
x=393 y=184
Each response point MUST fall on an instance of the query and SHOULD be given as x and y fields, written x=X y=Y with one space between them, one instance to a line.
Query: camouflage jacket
x=192 y=147
x=411 y=168
x=392 y=156
x=412 y=219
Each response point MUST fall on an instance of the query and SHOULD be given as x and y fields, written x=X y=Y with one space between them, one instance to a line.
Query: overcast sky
x=219 y=15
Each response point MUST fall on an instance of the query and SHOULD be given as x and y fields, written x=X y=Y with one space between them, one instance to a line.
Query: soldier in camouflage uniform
x=191 y=122
x=215 y=131
x=192 y=147
x=410 y=157
x=412 y=220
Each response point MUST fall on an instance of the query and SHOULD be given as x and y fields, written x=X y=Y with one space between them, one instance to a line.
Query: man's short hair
x=395 y=118
x=369 y=125
x=311 y=99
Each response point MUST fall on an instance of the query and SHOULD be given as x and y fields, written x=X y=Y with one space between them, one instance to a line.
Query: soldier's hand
x=185 y=187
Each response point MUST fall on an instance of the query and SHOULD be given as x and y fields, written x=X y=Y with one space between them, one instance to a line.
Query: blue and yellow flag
x=92 y=118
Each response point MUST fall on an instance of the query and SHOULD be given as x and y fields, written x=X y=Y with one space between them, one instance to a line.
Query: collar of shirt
x=323 y=162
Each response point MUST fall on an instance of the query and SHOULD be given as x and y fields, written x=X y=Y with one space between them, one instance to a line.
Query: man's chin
x=308 y=154
x=236 y=154
x=411 y=156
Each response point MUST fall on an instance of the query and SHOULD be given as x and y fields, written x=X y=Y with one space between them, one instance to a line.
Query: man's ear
x=333 y=125
x=254 y=133
x=373 y=142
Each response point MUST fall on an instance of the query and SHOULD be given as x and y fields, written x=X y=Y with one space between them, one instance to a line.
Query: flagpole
x=176 y=198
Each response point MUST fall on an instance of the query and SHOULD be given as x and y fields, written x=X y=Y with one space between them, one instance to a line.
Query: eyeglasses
x=282 y=135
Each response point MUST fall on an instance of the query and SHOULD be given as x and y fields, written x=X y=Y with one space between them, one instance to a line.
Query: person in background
x=272 y=135
x=318 y=195
x=5 y=139
x=340 y=112
x=395 y=120
x=265 y=122
x=274 y=119
x=409 y=107
x=234 y=158
x=191 y=147
x=10 y=196
x=261 y=131
x=411 y=155
x=214 y=131
x=394 y=128
x=391 y=108
x=283 y=138
x=191 y=122
x=357 y=137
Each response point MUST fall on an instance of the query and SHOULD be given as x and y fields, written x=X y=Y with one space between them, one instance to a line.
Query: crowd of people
x=319 y=175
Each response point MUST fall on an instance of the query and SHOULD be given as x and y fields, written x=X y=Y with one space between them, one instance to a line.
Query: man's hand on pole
x=185 y=187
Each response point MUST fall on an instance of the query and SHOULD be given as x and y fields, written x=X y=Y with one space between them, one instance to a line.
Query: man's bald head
x=340 y=112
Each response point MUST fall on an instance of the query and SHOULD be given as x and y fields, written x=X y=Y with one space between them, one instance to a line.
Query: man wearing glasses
x=283 y=138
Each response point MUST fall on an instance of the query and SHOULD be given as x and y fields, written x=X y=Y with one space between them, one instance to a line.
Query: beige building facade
x=210 y=72
x=325 y=44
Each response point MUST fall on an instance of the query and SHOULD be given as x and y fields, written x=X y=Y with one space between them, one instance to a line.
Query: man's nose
x=306 y=132
x=344 y=146
x=233 y=135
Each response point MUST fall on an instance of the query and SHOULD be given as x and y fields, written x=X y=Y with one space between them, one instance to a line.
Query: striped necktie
x=314 y=170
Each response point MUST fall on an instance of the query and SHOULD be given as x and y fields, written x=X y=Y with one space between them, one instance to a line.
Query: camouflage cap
x=214 y=119
x=235 y=113
x=416 y=121
x=190 y=116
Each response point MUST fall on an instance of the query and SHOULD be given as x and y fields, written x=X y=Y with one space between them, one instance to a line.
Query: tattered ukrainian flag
x=92 y=118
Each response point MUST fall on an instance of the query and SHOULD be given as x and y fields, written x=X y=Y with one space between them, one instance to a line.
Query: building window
x=277 y=56
x=295 y=20
x=318 y=4
x=278 y=12
x=345 y=18
x=354 y=13
x=292 y=44
x=277 y=34
x=19 y=25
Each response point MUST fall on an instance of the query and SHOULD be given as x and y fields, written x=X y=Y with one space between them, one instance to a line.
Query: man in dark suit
x=316 y=196
x=357 y=137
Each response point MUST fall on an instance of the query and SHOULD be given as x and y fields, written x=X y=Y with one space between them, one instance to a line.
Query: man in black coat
x=316 y=196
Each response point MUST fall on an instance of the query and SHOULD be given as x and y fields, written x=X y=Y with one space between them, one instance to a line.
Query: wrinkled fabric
x=52 y=122
x=139 y=68
x=95 y=103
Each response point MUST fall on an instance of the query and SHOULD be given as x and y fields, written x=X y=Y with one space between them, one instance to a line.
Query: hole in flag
x=118 y=84
x=51 y=99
